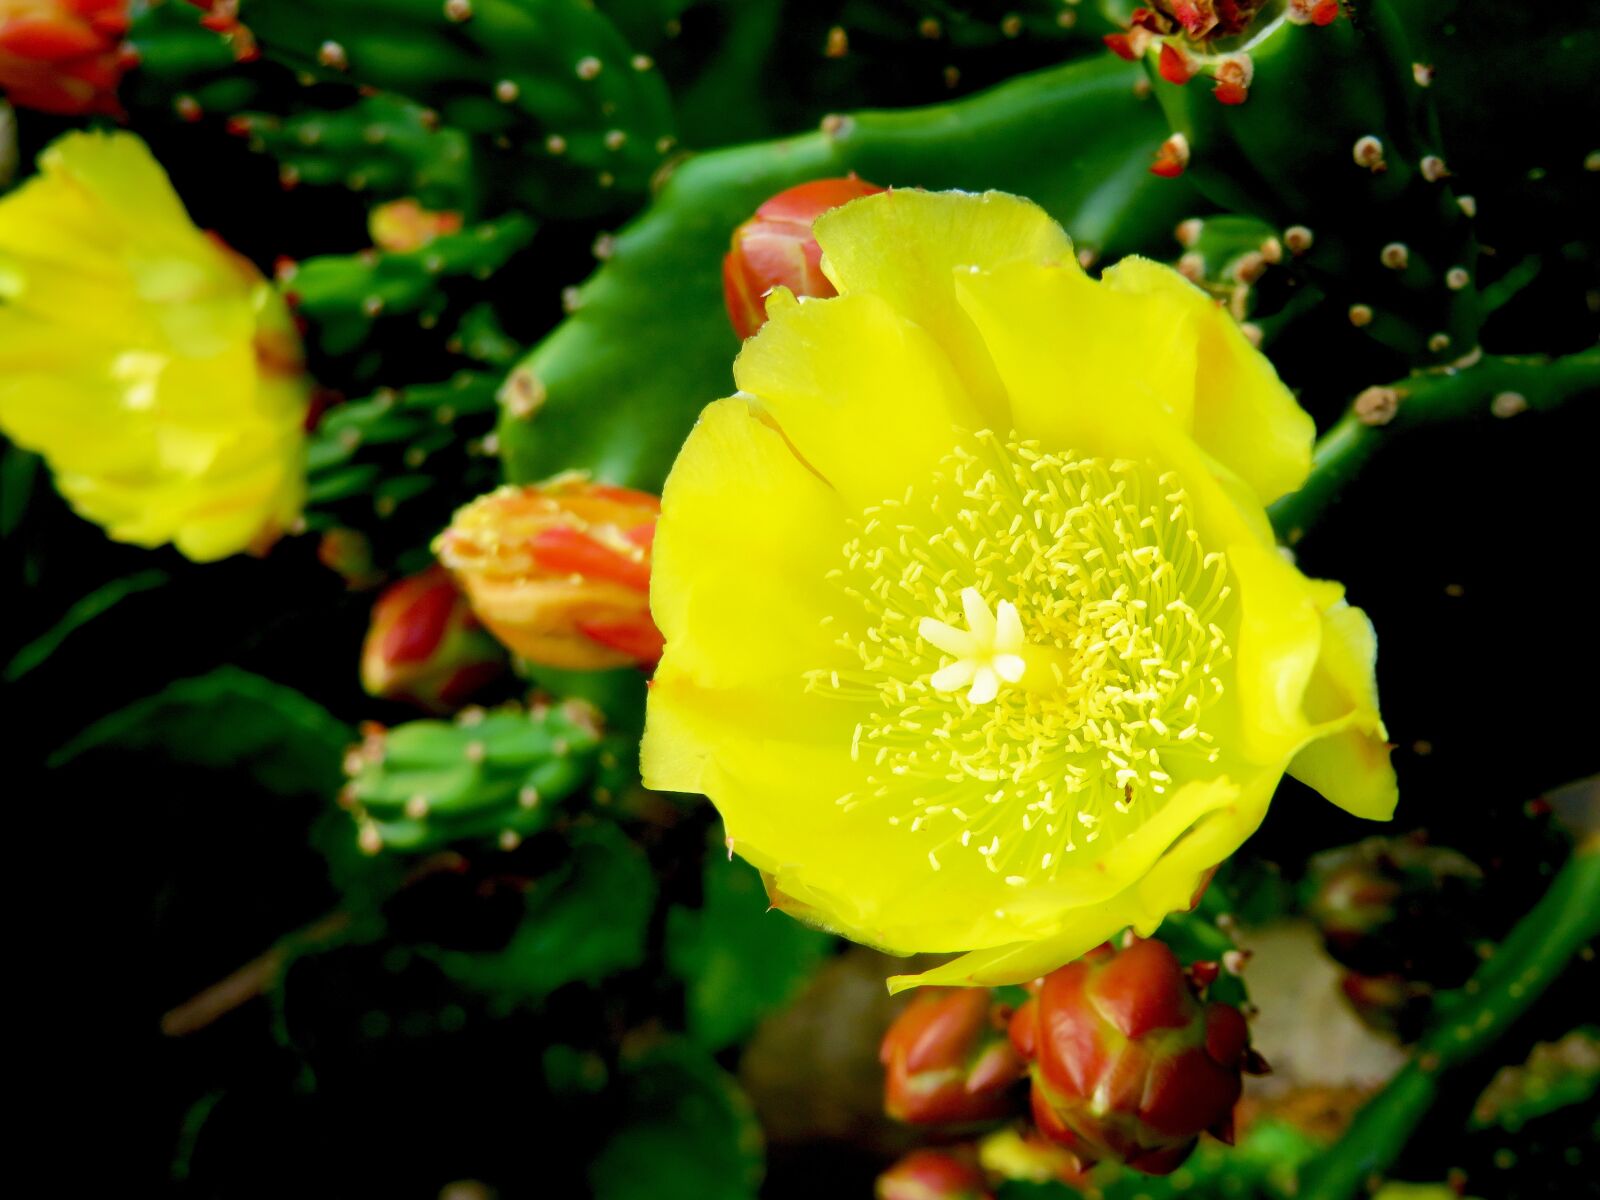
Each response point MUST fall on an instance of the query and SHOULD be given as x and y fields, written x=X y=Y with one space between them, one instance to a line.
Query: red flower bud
x=933 y=1175
x=1128 y=1063
x=947 y=1060
x=775 y=248
x=1121 y=45
x=1399 y=905
x=63 y=56
x=1233 y=79
x=425 y=647
x=1390 y=1004
x=560 y=572
x=1174 y=65
x=1172 y=157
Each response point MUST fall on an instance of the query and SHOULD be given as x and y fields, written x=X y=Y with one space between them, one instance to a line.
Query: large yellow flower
x=976 y=632
x=154 y=368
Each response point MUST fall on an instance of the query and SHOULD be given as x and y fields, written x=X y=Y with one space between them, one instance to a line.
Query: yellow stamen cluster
x=1091 y=686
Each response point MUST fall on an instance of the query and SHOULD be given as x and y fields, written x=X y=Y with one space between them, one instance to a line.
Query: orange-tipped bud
x=424 y=646
x=403 y=225
x=560 y=572
x=933 y=1175
x=63 y=56
x=1129 y=1065
x=775 y=248
x=947 y=1060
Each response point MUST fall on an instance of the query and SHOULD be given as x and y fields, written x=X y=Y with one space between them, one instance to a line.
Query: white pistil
x=988 y=651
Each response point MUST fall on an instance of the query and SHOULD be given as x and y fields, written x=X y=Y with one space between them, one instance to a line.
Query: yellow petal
x=1279 y=639
x=132 y=357
x=1168 y=886
x=848 y=377
x=746 y=538
x=906 y=245
x=1080 y=378
x=1349 y=765
x=1242 y=414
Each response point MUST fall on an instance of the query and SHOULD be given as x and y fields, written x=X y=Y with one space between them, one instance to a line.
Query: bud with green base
x=947 y=1061
x=424 y=646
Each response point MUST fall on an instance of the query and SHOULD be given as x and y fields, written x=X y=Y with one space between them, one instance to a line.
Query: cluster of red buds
x=64 y=56
x=775 y=248
x=1128 y=1062
x=222 y=17
x=1183 y=35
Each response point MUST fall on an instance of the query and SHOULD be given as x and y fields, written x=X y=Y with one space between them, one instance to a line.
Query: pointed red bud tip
x=775 y=248
x=1121 y=45
x=1128 y=1064
x=947 y=1060
x=560 y=571
x=933 y=1175
x=63 y=56
x=424 y=646
x=1173 y=65
x=1172 y=157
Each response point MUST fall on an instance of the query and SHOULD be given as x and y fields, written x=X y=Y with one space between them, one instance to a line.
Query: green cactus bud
x=571 y=121
x=343 y=296
x=381 y=145
x=420 y=447
x=190 y=68
x=486 y=775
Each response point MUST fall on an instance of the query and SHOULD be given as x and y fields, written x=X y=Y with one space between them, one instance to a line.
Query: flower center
x=1044 y=636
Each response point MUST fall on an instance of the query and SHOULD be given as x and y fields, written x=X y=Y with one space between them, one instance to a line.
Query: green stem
x=1527 y=962
x=1452 y=396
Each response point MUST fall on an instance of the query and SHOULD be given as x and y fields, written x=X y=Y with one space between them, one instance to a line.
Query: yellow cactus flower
x=155 y=370
x=976 y=632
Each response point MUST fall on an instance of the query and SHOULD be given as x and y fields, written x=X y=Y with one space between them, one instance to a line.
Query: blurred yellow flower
x=155 y=370
x=976 y=632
